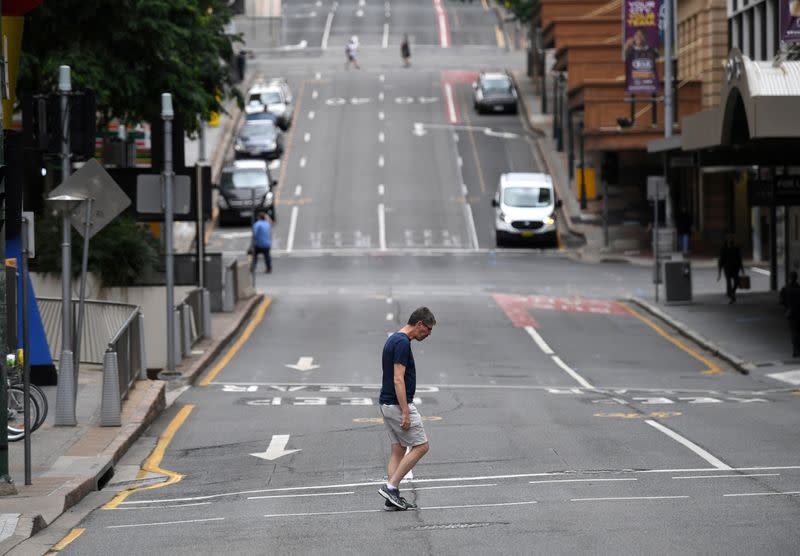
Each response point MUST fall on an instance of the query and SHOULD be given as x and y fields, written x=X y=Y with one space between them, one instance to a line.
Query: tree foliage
x=131 y=51
x=522 y=9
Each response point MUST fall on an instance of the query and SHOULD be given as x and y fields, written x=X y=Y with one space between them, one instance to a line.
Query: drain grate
x=442 y=526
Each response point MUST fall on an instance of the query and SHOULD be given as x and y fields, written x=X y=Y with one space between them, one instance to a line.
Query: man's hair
x=422 y=314
x=261 y=215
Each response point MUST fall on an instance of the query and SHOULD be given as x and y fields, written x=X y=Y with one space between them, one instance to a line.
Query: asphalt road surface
x=561 y=419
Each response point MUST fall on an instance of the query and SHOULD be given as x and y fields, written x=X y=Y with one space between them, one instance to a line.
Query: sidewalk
x=752 y=334
x=70 y=462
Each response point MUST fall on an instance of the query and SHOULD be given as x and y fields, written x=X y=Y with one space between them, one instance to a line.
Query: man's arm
x=400 y=392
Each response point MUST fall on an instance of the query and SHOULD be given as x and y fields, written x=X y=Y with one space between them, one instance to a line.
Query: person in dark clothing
x=683 y=223
x=790 y=299
x=405 y=51
x=262 y=241
x=730 y=262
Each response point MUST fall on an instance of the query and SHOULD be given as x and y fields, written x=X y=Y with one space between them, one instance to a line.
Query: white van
x=525 y=209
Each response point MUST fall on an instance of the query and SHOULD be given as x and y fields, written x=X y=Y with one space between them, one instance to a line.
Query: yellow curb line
x=262 y=309
x=501 y=40
x=713 y=368
x=153 y=463
x=71 y=536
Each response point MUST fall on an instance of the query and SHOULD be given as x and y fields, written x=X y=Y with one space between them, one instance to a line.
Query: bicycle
x=37 y=400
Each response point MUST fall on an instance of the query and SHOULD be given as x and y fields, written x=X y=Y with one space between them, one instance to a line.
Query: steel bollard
x=176 y=323
x=111 y=406
x=65 y=392
x=206 y=314
x=186 y=329
x=142 y=352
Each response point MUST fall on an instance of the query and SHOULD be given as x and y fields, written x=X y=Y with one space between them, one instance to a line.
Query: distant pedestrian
x=262 y=241
x=683 y=223
x=402 y=420
x=730 y=262
x=351 y=53
x=405 y=51
x=790 y=299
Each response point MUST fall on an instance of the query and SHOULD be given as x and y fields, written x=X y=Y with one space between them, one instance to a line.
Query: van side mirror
x=495 y=203
x=273 y=183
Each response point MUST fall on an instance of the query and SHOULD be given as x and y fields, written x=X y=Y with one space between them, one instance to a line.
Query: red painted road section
x=517 y=307
x=451 y=78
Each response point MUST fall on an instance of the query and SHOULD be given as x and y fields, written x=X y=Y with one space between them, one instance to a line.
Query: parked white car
x=275 y=97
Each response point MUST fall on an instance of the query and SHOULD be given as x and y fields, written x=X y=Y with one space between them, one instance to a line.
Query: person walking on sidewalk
x=262 y=241
x=730 y=262
x=405 y=52
x=401 y=418
x=790 y=299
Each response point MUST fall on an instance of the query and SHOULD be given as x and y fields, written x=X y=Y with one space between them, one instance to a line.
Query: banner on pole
x=790 y=20
x=641 y=45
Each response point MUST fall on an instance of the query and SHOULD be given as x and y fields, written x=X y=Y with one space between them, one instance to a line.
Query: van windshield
x=243 y=179
x=527 y=197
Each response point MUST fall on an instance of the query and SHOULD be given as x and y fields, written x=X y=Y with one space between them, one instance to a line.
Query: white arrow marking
x=428 y=100
x=304 y=364
x=299 y=46
x=500 y=134
x=357 y=101
x=276 y=448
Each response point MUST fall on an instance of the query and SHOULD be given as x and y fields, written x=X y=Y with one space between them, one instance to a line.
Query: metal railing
x=124 y=362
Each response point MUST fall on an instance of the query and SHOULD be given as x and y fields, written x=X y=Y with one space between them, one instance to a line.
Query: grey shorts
x=392 y=415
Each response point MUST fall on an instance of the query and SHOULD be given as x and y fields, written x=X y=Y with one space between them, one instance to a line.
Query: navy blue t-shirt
x=397 y=349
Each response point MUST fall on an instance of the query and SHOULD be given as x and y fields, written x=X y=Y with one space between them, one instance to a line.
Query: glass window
x=271 y=97
x=527 y=197
x=497 y=85
x=243 y=179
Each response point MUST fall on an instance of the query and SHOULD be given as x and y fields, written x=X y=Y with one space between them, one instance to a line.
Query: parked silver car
x=494 y=92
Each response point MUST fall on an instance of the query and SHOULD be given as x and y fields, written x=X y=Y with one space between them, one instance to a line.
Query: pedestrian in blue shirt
x=262 y=241
x=401 y=418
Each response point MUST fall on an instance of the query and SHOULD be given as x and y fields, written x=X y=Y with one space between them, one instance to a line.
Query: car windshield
x=271 y=97
x=527 y=197
x=263 y=128
x=243 y=179
x=497 y=86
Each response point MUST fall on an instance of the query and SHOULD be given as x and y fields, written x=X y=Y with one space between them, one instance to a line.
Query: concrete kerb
x=542 y=155
x=737 y=363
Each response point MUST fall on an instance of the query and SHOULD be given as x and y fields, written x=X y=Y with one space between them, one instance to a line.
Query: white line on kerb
x=581 y=480
x=385 y=41
x=311 y=514
x=381 y=221
x=300 y=495
x=689 y=444
x=292 y=227
x=539 y=340
x=451 y=107
x=166 y=523
x=327 y=33
x=582 y=381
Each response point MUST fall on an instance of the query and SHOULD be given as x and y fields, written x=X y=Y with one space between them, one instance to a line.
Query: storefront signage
x=790 y=20
x=787 y=191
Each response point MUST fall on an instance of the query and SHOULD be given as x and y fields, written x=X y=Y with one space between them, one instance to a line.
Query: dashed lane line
x=181 y=522
x=457 y=507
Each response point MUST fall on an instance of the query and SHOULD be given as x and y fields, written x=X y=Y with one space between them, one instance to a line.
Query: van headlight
x=550 y=220
x=505 y=218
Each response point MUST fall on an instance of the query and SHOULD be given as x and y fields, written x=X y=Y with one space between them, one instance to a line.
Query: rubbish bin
x=677 y=282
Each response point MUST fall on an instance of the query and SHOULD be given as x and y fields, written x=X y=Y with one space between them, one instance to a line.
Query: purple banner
x=790 y=20
x=641 y=45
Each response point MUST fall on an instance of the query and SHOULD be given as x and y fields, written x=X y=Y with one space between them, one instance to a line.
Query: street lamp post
x=167 y=115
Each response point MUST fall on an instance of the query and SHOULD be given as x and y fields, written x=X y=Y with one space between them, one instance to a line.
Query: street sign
x=92 y=181
x=150 y=194
x=656 y=185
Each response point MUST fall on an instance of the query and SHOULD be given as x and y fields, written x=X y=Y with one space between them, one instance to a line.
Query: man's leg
x=407 y=463
x=394 y=460
x=268 y=259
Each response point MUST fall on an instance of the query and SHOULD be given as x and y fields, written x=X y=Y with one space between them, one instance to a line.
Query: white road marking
x=318 y=76
x=381 y=189
x=311 y=514
x=381 y=222
x=539 y=340
x=389 y=316
x=166 y=523
x=380 y=96
x=689 y=444
x=307 y=137
x=449 y=479
x=627 y=498
x=381 y=78
x=582 y=381
x=456 y=486
x=791 y=493
x=381 y=115
x=727 y=476
x=760 y=270
x=791 y=377
x=292 y=228
x=389 y=300
x=314 y=93
x=381 y=137
x=302 y=162
x=311 y=114
x=581 y=480
x=327 y=32
x=385 y=41
x=442 y=17
x=460 y=161
x=381 y=161
x=297 y=190
x=451 y=106
x=473 y=233
x=300 y=495
x=169 y=506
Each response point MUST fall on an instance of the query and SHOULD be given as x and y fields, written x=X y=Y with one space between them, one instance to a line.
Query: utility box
x=677 y=282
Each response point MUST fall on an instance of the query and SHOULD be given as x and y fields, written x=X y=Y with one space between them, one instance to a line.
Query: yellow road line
x=713 y=368
x=237 y=345
x=501 y=39
x=71 y=536
x=153 y=463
